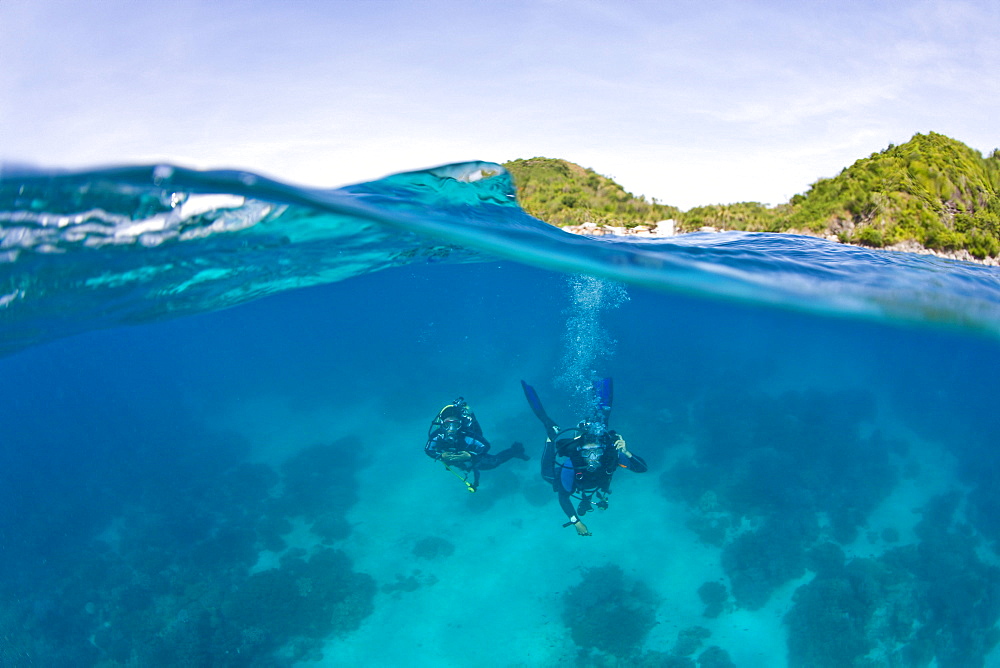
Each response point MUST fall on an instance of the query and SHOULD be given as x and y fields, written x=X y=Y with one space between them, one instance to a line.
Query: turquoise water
x=217 y=388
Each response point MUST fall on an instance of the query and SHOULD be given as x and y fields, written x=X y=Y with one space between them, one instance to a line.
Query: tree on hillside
x=564 y=193
x=933 y=190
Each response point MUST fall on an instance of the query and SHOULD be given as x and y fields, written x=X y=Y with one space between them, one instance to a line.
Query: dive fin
x=603 y=397
x=536 y=407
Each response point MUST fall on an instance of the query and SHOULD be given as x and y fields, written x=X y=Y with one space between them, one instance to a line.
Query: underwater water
x=217 y=389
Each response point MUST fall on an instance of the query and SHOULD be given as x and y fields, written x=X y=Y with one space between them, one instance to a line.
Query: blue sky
x=688 y=102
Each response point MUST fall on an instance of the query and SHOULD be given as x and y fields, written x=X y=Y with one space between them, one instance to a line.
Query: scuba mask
x=592 y=453
x=450 y=429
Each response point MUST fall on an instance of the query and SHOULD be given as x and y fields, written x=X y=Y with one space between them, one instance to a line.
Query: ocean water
x=217 y=388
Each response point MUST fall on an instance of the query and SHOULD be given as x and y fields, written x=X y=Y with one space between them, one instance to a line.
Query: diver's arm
x=625 y=458
x=475 y=446
x=430 y=449
x=567 y=506
x=634 y=463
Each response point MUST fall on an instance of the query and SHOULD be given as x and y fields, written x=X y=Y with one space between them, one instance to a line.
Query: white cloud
x=691 y=103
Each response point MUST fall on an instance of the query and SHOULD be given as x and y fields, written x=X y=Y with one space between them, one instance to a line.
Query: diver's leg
x=549 y=471
x=538 y=410
x=486 y=462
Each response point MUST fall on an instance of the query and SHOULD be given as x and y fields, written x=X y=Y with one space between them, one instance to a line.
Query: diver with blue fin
x=580 y=461
x=456 y=440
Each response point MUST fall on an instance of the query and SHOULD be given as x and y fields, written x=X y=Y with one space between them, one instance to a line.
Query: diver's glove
x=456 y=457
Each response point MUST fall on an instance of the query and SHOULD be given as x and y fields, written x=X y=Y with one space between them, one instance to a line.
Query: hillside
x=933 y=191
x=564 y=193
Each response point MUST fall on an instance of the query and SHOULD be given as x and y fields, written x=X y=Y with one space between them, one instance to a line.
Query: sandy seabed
x=496 y=600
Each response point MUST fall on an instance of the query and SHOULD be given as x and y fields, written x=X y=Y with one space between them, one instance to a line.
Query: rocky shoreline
x=667 y=228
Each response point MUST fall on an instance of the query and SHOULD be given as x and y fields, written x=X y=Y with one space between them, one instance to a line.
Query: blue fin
x=603 y=398
x=536 y=406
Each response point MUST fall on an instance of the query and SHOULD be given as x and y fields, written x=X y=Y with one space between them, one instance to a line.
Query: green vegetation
x=932 y=190
x=747 y=216
x=563 y=193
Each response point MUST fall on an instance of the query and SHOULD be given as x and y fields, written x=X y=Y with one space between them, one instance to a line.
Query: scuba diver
x=579 y=461
x=456 y=440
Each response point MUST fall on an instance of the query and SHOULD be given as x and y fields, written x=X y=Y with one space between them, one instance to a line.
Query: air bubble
x=162 y=173
x=586 y=342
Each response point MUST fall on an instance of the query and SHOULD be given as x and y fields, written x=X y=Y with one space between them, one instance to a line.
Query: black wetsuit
x=573 y=477
x=481 y=460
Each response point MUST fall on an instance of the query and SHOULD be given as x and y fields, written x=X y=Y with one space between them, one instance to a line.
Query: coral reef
x=303 y=599
x=715 y=657
x=608 y=612
x=758 y=562
x=171 y=581
x=320 y=479
x=690 y=639
x=782 y=483
x=766 y=469
x=688 y=642
x=932 y=601
x=714 y=596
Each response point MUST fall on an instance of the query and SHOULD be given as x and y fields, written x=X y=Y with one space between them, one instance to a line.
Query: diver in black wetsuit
x=580 y=461
x=456 y=439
